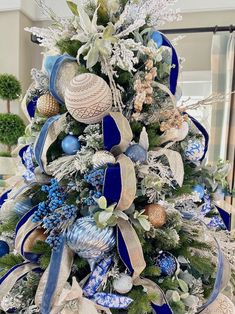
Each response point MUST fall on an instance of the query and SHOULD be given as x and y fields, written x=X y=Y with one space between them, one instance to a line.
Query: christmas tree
x=114 y=208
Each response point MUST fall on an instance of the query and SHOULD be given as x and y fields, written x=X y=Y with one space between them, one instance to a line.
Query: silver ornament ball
x=102 y=158
x=123 y=284
x=89 y=241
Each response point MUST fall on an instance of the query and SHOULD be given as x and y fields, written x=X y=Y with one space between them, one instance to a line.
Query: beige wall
x=16 y=50
x=196 y=48
x=18 y=55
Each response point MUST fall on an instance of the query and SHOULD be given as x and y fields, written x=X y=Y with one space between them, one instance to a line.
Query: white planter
x=8 y=166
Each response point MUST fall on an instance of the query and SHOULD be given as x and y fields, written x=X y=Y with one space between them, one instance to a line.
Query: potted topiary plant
x=10 y=89
x=11 y=128
x=11 y=125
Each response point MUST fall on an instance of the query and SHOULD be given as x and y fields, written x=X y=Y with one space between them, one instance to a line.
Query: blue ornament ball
x=136 y=153
x=157 y=38
x=49 y=62
x=4 y=248
x=194 y=150
x=70 y=145
x=23 y=206
x=199 y=189
x=167 y=263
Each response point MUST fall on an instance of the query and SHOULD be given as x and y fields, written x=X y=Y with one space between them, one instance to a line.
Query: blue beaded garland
x=4 y=248
x=136 y=153
x=70 y=145
x=157 y=38
x=199 y=189
x=167 y=263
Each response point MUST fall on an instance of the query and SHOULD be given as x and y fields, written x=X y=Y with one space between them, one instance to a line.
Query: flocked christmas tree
x=116 y=210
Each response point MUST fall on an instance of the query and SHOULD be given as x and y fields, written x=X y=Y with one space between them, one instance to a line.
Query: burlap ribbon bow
x=72 y=300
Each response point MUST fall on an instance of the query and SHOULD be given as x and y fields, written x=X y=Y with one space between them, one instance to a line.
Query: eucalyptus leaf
x=144 y=223
x=121 y=214
x=144 y=139
x=175 y=296
x=73 y=7
x=104 y=217
x=183 y=285
x=102 y=202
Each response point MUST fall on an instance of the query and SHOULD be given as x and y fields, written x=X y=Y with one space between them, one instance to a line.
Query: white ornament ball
x=194 y=150
x=66 y=73
x=123 y=284
x=102 y=158
x=88 y=98
x=222 y=305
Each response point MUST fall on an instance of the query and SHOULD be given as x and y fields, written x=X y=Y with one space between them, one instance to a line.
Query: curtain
x=222 y=133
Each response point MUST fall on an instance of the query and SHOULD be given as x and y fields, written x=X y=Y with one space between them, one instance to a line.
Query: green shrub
x=10 y=88
x=5 y=154
x=11 y=128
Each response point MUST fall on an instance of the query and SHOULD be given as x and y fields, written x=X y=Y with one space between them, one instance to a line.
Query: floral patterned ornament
x=104 y=299
x=27 y=160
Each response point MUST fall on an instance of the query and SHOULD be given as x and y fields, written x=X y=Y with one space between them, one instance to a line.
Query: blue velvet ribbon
x=29 y=256
x=54 y=74
x=39 y=145
x=226 y=217
x=4 y=197
x=21 y=153
x=124 y=255
x=123 y=252
x=111 y=133
x=11 y=271
x=175 y=63
x=31 y=106
x=204 y=133
x=25 y=218
x=112 y=184
x=53 y=275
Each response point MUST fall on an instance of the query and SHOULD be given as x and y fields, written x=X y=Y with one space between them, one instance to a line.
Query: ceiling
x=30 y=9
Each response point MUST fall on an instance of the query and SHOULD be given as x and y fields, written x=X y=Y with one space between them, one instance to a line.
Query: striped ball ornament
x=88 y=98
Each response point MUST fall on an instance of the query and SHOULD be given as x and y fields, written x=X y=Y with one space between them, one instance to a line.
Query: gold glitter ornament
x=156 y=214
x=47 y=105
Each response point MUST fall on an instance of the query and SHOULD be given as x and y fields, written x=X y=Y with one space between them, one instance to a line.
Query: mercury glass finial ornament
x=89 y=241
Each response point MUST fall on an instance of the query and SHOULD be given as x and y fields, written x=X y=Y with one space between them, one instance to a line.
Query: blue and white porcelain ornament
x=123 y=284
x=89 y=241
x=167 y=263
x=157 y=38
x=70 y=145
x=199 y=189
x=194 y=150
x=4 y=248
x=22 y=206
x=137 y=153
